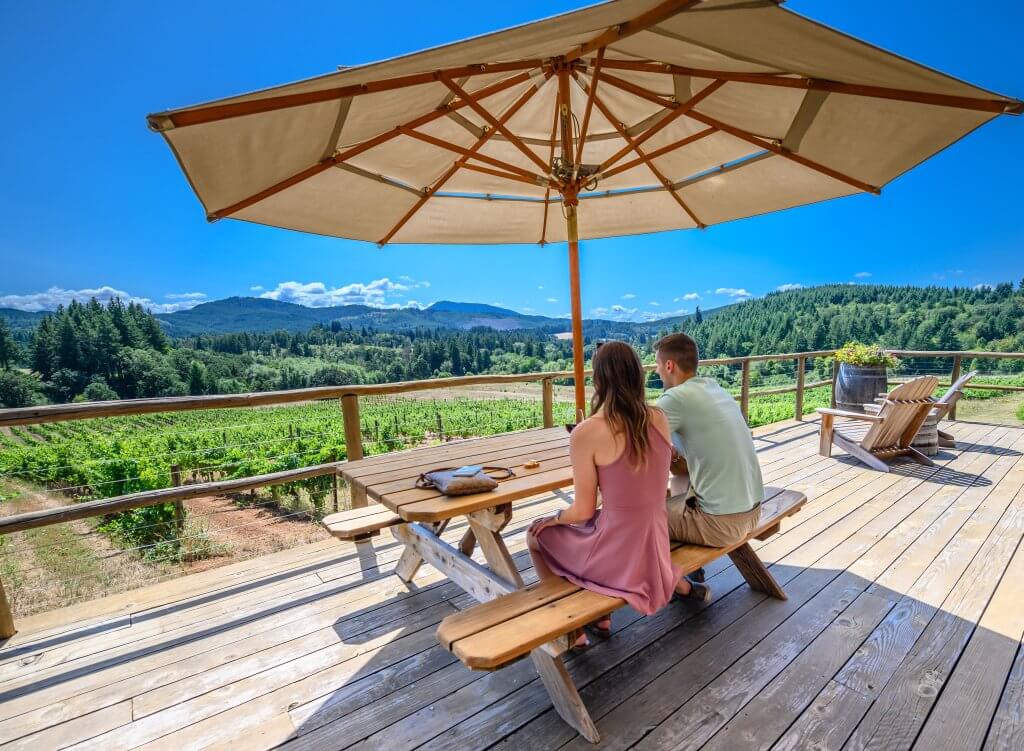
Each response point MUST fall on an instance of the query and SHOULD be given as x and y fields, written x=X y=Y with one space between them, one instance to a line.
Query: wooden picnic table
x=390 y=480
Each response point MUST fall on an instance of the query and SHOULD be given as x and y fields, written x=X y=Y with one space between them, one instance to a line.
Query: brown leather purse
x=445 y=480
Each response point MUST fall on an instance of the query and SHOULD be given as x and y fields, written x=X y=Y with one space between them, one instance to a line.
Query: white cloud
x=655 y=304
x=379 y=293
x=528 y=310
x=54 y=296
x=635 y=315
x=862 y=275
x=734 y=292
x=628 y=296
x=788 y=287
x=687 y=296
x=256 y=288
x=552 y=299
x=540 y=286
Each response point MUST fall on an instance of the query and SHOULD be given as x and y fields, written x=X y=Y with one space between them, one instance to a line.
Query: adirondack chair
x=942 y=406
x=889 y=433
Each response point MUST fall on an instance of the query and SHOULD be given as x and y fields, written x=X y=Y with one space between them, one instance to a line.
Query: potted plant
x=863 y=375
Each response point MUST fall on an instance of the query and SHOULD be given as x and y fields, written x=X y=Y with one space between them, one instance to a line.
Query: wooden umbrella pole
x=577 y=308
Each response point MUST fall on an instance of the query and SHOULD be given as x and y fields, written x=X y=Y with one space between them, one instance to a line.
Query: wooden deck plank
x=320 y=647
x=902 y=706
x=982 y=670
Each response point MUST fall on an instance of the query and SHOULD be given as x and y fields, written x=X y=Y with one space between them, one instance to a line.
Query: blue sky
x=92 y=199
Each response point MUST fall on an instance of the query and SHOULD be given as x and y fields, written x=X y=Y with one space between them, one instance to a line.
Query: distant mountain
x=21 y=320
x=257 y=314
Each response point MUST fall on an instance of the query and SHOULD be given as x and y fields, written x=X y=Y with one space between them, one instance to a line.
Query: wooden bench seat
x=360 y=524
x=493 y=634
x=547 y=615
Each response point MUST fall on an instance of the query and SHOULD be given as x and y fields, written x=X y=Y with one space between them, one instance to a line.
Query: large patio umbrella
x=622 y=118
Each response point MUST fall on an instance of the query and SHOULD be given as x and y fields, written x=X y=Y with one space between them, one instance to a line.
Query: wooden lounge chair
x=942 y=407
x=889 y=433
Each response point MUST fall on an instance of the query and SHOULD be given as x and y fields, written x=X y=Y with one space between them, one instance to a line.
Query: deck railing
x=349 y=398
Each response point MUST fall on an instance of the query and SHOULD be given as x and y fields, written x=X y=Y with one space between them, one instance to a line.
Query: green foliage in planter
x=865 y=355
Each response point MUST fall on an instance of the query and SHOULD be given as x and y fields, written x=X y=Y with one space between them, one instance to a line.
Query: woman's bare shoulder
x=660 y=421
x=593 y=428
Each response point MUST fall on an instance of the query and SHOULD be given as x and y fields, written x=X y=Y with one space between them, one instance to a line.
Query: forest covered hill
x=92 y=351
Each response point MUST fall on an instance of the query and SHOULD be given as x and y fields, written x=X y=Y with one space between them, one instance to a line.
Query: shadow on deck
x=903 y=612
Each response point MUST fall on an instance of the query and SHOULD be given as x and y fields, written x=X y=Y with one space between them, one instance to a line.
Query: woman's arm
x=584 y=478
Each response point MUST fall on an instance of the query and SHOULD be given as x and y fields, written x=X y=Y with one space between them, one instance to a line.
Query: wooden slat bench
x=360 y=524
x=544 y=618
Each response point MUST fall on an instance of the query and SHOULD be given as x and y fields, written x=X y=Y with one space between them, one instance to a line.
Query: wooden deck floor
x=902 y=629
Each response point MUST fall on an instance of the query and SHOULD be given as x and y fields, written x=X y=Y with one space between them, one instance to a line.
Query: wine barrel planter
x=927 y=439
x=858 y=385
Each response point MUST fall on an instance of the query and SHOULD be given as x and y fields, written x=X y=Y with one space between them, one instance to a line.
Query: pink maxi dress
x=623 y=551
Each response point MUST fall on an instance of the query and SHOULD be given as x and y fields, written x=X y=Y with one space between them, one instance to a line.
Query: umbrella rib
x=739 y=133
x=645 y=20
x=594 y=77
x=498 y=173
x=439 y=183
x=442 y=144
x=361 y=147
x=495 y=123
x=836 y=87
x=551 y=159
x=677 y=111
x=643 y=157
x=675 y=145
x=215 y=112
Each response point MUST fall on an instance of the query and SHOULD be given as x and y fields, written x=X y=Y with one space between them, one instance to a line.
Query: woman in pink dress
x=623 y=448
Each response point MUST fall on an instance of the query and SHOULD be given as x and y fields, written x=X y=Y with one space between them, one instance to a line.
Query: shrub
x=865 y=355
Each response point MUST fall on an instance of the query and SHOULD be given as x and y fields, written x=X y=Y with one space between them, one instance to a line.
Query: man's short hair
x=680 y=349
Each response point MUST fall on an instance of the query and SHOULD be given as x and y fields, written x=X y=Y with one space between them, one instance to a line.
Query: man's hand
x=678 y=465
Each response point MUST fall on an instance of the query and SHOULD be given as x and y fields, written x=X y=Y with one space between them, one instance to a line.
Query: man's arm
x=673 y=409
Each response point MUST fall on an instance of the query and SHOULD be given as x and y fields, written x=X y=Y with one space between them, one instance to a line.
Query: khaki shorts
x=687 y=523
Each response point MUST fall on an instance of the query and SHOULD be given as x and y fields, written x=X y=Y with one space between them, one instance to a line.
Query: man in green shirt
x=713 y=446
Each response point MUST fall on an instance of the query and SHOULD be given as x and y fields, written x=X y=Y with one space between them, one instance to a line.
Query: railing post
x=334 y=483
x=801 y=366
x=179 y=506
x=547 y=397
x=7 y=629
x=745 y=390
x=835 y=377
x=353 y=441
x=953 y=379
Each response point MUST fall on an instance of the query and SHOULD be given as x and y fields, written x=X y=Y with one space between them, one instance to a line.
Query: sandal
x=602 y=631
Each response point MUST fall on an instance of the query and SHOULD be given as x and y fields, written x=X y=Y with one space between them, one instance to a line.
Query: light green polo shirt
x=708 y=429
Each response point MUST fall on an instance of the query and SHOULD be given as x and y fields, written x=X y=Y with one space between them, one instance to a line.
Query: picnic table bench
x=512 y=620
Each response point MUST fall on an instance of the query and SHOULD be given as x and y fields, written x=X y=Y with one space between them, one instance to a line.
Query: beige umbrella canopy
x=627 y=117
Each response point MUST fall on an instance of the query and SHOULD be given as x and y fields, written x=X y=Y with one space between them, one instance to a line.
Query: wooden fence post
x=353 y=441
x=334 y=483
x=179 y=506
x=835 y=377
x=745 y=390
x=548 y=402
x=953 y=379
x=801 y=366
x=7 y=629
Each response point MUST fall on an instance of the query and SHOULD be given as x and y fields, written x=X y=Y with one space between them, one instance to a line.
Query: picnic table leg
x=486 y=527
x=755 y=572
x=411 y=561
x=467 y=543
x=564 y=696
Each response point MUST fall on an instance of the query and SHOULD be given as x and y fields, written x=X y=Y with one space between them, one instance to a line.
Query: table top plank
x=467 y=447
x=403 y=479
x=392 y=483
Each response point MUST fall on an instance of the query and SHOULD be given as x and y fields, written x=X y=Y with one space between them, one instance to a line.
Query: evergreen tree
x=698 y=317
x=9 y=350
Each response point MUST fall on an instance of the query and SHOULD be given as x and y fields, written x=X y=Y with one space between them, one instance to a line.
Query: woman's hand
x=543 y=523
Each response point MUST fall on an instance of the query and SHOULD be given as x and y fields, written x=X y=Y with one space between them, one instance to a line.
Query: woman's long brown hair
x=619 y=388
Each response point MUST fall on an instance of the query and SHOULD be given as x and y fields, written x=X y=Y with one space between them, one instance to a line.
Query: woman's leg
x=543 y=572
